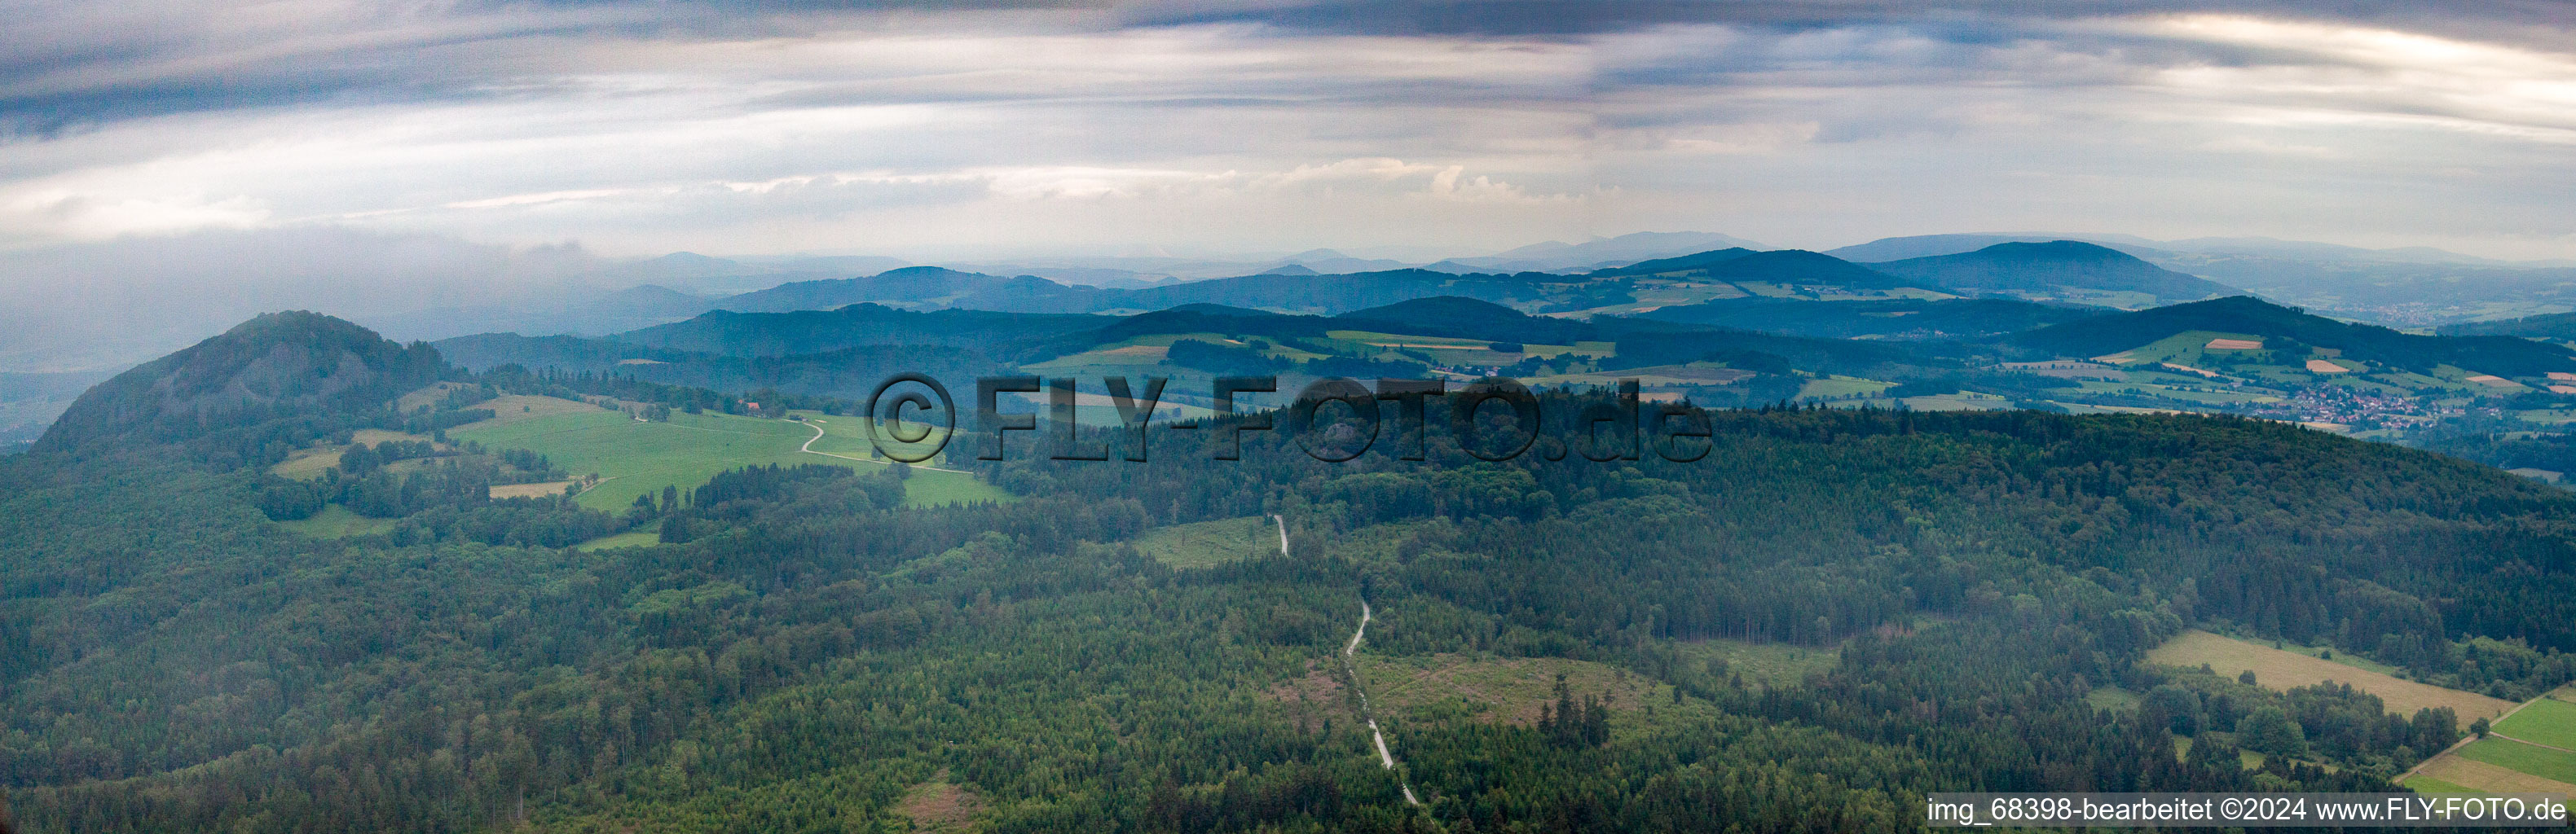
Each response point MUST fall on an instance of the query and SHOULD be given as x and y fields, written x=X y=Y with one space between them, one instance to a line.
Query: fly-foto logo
x=1333 y=419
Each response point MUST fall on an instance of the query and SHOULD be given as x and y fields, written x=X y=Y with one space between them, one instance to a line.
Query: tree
x=2270 y=730
x=2479 y=727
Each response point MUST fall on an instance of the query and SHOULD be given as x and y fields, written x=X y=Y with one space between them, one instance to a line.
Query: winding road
x=817 y=426
x=1350 y=650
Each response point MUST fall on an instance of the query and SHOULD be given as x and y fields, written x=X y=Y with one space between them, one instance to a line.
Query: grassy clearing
x=636 y=458
x=1510 y=690
x=425 y=397
x=1768 y=664
x=2547 y=721
x=308 y=464
x=2554 y=765
x=338 y=522
x=1209 y=543
x=940 y=806
x=537 y=490
x=636 y=538
x=2281 y=670
x=2112 y=698
x=519 y=408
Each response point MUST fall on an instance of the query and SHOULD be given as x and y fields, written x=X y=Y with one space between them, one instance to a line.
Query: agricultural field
x=1962 y=401
x=2546 y=721
x=1842 y=386
x=2532 y=750
x=2554 y=765
x=2281 y=669
x=635 y=457
x=1209 y=543
x=2453 y=773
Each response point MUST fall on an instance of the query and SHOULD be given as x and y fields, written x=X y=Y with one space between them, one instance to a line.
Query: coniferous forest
x=797 y=650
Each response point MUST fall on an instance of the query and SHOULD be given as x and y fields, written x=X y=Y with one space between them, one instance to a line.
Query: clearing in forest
x=1506 y=690
x=1767 y=664
x=2278 y=669
x=940 y=806
x=1209 y=543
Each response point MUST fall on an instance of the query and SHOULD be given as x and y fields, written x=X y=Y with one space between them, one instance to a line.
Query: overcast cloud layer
x=926 y=131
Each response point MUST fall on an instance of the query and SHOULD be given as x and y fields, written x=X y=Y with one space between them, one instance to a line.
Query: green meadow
x=2547 y=721
x=634 y=457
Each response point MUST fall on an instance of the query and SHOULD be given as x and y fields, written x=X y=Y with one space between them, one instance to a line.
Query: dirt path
x=1350 y=650
x=817 y=426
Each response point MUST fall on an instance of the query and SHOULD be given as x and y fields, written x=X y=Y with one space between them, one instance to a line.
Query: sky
x=1452 y=128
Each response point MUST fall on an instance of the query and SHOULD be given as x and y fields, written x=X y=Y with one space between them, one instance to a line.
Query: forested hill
x=2053 y=268
x=280 y=364
x=2252 y=316
x=1807 y=622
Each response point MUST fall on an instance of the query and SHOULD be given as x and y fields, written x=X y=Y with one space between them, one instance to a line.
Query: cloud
x=640 y=127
